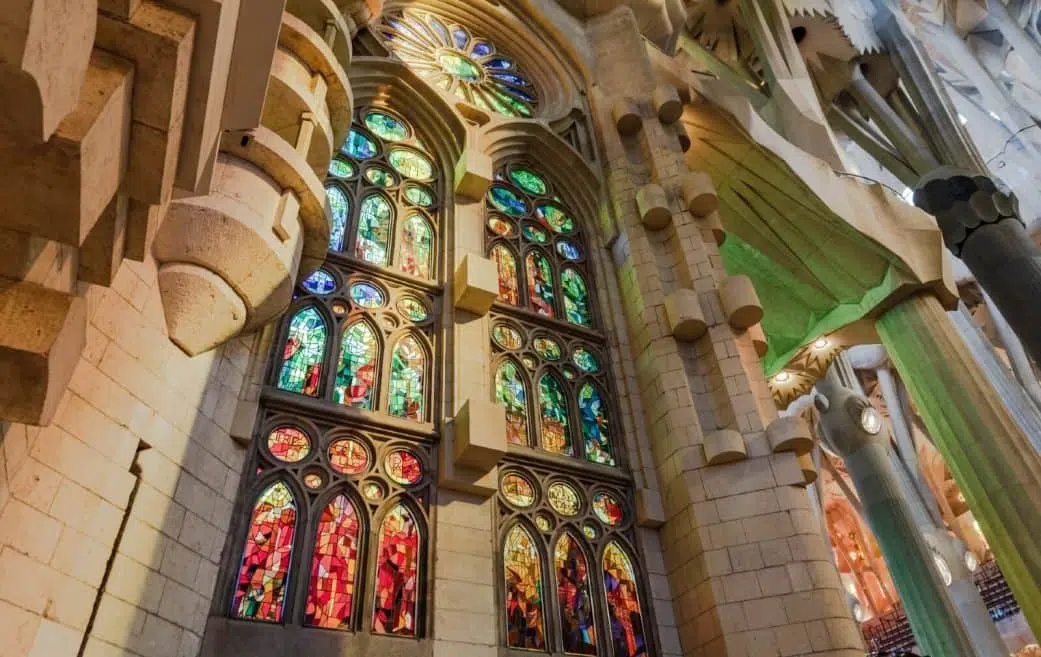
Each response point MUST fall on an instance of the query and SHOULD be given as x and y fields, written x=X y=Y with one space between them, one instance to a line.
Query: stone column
x=991 y=458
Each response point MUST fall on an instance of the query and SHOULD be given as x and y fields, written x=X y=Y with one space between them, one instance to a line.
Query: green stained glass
x=505 y=200
x=576 y=298
x=511 y=392
x=411 y=164
x=556 y=434
x=419 y=196
x=585 y=360
x=459 y=66
x=417 y=246
x=529 y=362
x=380 y=177
x=385 y=126
x=529 y=181
x=594 y=423
x=341 y=169
x=506 y=265
x=534 y=234
x=341 y=210
x=407 y=366
x=413 y=308
x=374 y=222
x=356 y=372
x=367 y=295
x=359 y=146
x=540 y=283
x=569 y=373
x=555 y=218
x=303 y=353
x=590 y=532
x=547 y=348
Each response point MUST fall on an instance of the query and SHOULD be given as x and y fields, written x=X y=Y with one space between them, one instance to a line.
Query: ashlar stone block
x=758 y=339
x=740 y=302
x=809 y=470
x=699 y=194
x=667 y=103
x=476 y=284
x=480 y=435
x=684 y=314
x=102 y=251
x=473 y=174
x=724 y=446
x=626 y=117
x=790 y=434
x=653 y=205
x=650 y=510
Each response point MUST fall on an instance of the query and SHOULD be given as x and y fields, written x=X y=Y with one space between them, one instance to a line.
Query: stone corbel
x=473 y=174
x=475 y=442
x=724 y=446
x=476 y=284
x=740 y=302
x=684 y=315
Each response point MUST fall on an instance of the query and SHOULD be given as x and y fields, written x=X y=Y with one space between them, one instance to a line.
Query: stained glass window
x=628 y=633
x=518 y=491
x=511 y=392
x=397 y=574
x=320 y=282
x=261 y=584
x=464 y=65
x=356 y=371
x=367 y=295
x=585 y=360
x=594 y=425
x=577 y=627
x=417 y=245
x=289 y=444
x=508 y=201
x=506 y=336
x=525 y=622
x=385 y=126
x=348 y=457
x=413 y=308
x=334 y=567
x=303 y=353
x=406 y=379
x=547 y=348
x=576 y=297
x=419 y=196
x=556 y=435
x=540 y=283
x=359 y=146
x=403 y=467
x=380 y=177
x=374 y=225
x=411 y=164
x=607 y=509
x=507 y=266
x=341 y=211
x=564 y=499
x=341 y=168
x=529 y=181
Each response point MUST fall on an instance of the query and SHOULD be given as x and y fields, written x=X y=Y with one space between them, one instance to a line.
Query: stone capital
x=962 y=202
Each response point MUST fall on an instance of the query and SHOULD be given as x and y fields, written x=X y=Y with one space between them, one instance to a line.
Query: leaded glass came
x=397 y=574
x=303 y=353
x=261 y=585
x=525 y=620
x=577 y=627
x=406 y=380
x=594 y=425
x=334 y=567
x=356 y=372
x=628 y=633
x=556 y=435
x=374 y=229
x=511 y=392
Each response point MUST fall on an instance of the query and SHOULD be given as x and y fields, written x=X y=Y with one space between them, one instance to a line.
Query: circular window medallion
x=568 y=249
x=314 y=480
x=411 y=164
x=342 y=169
x=288 y=444
x=506 y=336
x=543 y=522
x=500 y=226
x=320 y=282
x=529 y=362
x=607 y=509
x=373 y=491
x=555 y=218
x=359 y=146
x=529 y=181
x=419 y=195
x=505 y=200
x=564 y=499
x=590 y=532
x=413 y=308
x=534 y=234
x=585 y=360
x=403 y=467
x=547 y=348
x=367 y=295
x=380 y=177
x=385 y=126
x=339 y=308
x=348 y=457
x=517 y=490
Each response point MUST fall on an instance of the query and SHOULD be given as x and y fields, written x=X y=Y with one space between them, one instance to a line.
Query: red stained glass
x=261 y=585
x=574 y=595
x=507 y=266
x=525 y=624
x=403 y=467
x=334 y=568
x=628 y=635
x=348 y=457
x=397 y=574
x=289 y=444
x=540 y=283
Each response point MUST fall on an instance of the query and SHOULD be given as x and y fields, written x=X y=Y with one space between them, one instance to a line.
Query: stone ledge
x=724 y=446
x=627 y=117
x=480 y=435
x=653 y=206
x=790 y=434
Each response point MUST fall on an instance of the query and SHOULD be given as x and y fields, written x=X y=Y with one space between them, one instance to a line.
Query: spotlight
x=782 y=377
x=821 y=343
x=871 y=420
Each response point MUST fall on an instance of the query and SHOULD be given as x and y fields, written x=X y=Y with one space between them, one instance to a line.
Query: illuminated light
x=858 y=613
x=851 y=587
x=944 y=569
x=782 y=377
x=821 y=343
x=871 y=420
x=907 y=195
x=962 y=119
x=853 y=555
x=994 y=116
x=972 y=562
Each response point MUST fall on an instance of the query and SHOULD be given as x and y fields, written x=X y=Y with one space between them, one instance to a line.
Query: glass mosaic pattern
x=372 y=491
x=407 y=365
x=411 y=164
x=577 y=626
x=403 y=467
x=511 y=392
x=348 y=457
x=397 y=574
x=518 y=491
x=576 y=298
x=385 y=126
x=417 y=246
x=555 y=218
x=568 y=250
x=506 y=263
x=506 y=336
x=585 y=360
x=334 y=567
x=341 y=211
x=460 y=63
x=288 y=444
x=500 y=226
x=303 y=352
x=533 y=234
x=356 y=371
x=313 y=480
x=540 y=283
x=321 y=282
x=607 y=509
x=380 y=177
x=594 y=422
x=556 y=434
x=359 y=146
x=628 y=633
x=529 y=181
x=413 y=309
x=419 y=196
x=261 y=584
x=374 y=225
x=367 y=295
x=547 y=348
x=525 y=622
x=564 y=499
x=507 y=201
x=341 y=168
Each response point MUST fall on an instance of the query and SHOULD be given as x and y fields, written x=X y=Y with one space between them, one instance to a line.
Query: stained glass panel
x=385 y=126
x=417 y=246
x=543 y=522
x=320 y=282
x=367 y=295
x=555 y=218
x=506 y=264
x=260 y=589
x=576 y=298
x=623 y=602
x=569 y=250
x=556 y=435
x=303 y=353
x=288 y=444
x=373 y=491
x=374 y=229
x=547 y=348
x=397 y=574
x=505 y=200
x=500 y=227
x=506 y=336
x=525 y=624
x=406 y=379
x=540 y=283
x=585 y=360
x=511 y=392
x=528 y=180
x=359 y=146
x=564 y=499
x=575 y=597
x=533 y=234
x=518 y=491
x=594 y=420
x=341 y=168
x=403 y=467
x=380 y=177
x=413 y=309
x=419 y=196
x=348 y=457
x=334 y=567
x=341 y=211
x=411 y=164
x=590 y=532
x=356 y=372
x=608 y=509
x=313 y=480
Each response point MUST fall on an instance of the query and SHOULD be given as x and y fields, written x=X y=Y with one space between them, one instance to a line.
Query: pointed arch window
x=574 y=596
x=407 y=372
x=397 y=573
x=525 y=620
x=628 y=630
x=260 y=589
x=334 y=566
x=303 y=352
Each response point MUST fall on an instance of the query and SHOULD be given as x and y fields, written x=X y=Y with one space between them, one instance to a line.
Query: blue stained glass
x=359 y=146
x=341 y=209
x=461 y=37
x=320 y=282
x=594 y=425
x=568 y=249
x=441 y=30
x=519 y=94
x=508 y=202
x=482 y=49
x=500 y=63
x=511 y=78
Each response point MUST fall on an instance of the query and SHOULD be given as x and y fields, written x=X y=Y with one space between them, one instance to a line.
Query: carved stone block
x=724 y=446
x=790 y=434
x=476 y=284
x=102 y=251
x=740 y=302
x=809 y=471
x=626 y=117
x=473 y=174
x=699 y=194
x=202 y=311
x=684 y=314
x=650 y=511
x=653 y=205
x=480 y=435
x=667 y=103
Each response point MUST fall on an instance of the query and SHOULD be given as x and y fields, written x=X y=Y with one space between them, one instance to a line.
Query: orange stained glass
x=403 y=467
x=574 y=595
x=525 y=623
x=397 y=574
x=540 y=283
x=511 y=392
x=348 y=457
x=261 y=585
x=506 y=263
x=518 y=490
x=628 y=635
x=334 y=567
x=288 y=444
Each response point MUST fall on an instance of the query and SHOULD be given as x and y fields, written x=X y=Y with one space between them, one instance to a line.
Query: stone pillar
x=855 y=430
x=991 y=458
